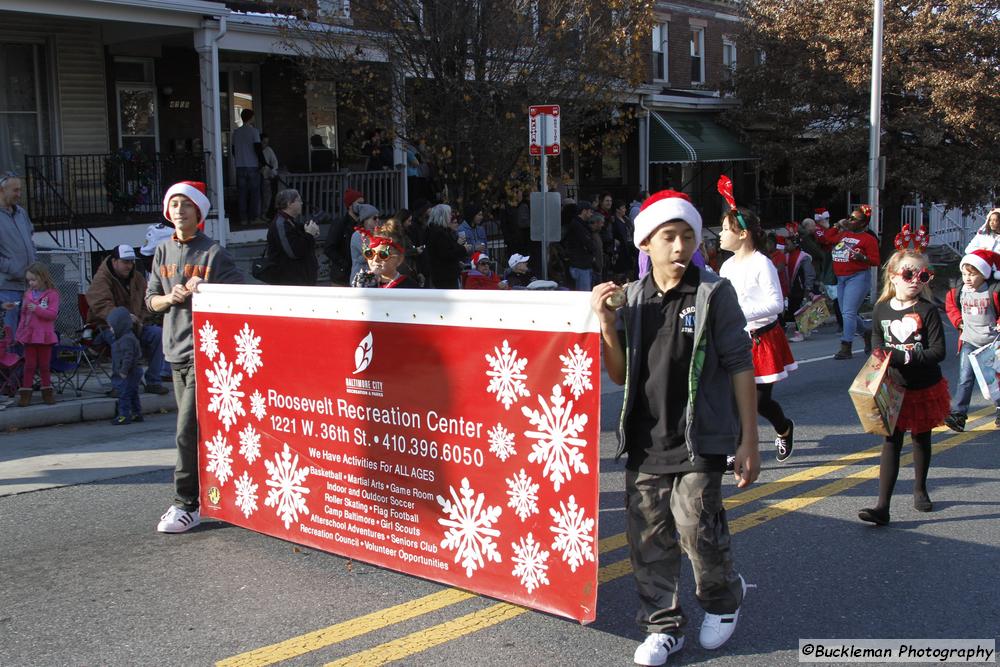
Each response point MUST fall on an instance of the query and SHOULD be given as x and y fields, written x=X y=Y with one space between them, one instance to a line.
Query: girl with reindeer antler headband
x=909 y=332
x=758 y=290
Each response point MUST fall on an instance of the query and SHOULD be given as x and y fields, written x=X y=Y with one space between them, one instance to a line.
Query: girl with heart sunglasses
x=908 y=330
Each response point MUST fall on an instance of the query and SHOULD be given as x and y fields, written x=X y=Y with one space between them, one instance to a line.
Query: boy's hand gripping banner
x=448 y=435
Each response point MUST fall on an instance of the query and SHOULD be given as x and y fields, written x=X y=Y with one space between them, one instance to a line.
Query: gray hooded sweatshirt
x=17 y=251
x=126 y=353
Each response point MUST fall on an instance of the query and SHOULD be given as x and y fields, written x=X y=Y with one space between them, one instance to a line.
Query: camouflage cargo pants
x=665 y=514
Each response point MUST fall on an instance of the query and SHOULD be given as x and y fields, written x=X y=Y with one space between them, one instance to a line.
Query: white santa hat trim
x=984 y=261
x=664 y=207
x=194 y=191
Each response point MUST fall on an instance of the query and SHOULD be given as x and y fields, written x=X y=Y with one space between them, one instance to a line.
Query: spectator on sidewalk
x=248 y=158
x=118 y=284
x=338 y=238
x=155 y=235
x=369 y=222
x=578 y=244
x=473 y=228
x=17 y=250
x=291 y=244
x=445 y=253
x=987 y=237
x=126 y=369
x=179 y=265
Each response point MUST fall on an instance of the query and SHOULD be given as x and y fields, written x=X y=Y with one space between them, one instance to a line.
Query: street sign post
x=545 y=217
x=543 y=140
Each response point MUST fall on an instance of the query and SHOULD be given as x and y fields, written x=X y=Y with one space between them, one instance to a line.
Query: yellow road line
x=422 y=640
x=317 y=639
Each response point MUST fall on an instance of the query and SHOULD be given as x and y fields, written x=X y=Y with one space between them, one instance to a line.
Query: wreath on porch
x=128 y=179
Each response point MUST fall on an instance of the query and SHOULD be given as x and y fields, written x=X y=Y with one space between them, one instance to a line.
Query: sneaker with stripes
x=176 y=520
x=657 y=648
x=716 y=629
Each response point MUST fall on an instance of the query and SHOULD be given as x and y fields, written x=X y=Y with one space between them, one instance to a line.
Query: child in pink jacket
x=37 y=331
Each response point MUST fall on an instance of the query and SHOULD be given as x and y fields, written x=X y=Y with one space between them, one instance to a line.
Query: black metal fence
x=65 y=191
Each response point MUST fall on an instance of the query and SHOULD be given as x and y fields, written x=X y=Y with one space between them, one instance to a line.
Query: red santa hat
x=985 y=261
x=478 y=257
x=193 y=190
x=665 y=206
x=821 y=214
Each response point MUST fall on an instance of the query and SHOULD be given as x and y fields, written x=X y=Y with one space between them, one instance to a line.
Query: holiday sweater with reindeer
x=914 y=337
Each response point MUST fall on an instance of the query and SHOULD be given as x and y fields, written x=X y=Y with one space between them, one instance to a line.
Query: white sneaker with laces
x=657 y=648
x=716 y=629
x=176 y=520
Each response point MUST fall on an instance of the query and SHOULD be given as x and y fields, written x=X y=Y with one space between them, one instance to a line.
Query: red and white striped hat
x=193 y=190
x=665 y=206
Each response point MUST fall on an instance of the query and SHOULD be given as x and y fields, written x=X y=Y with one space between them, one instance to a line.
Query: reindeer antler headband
x=725 y=187
x=905 y=237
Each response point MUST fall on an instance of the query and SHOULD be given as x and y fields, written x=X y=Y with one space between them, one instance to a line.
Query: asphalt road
x=86 y=580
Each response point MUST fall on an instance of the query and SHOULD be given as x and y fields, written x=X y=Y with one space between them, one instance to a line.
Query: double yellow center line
x=422 y=640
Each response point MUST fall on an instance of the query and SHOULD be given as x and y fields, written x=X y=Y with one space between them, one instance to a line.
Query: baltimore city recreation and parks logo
x=363 y=355
x=214 y=496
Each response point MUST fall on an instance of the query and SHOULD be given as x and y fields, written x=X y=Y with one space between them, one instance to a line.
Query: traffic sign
x=543 y=129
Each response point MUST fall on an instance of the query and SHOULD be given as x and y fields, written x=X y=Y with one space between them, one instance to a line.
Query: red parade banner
x=449 y=435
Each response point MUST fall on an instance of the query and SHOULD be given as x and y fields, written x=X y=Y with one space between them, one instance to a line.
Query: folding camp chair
x=11 y=364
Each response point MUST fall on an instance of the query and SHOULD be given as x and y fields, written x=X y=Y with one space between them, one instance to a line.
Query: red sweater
x=847 y=246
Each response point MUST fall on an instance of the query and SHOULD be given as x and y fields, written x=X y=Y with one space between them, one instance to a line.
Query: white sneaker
x=716 y=629
x=657 y=648
x=176 y=520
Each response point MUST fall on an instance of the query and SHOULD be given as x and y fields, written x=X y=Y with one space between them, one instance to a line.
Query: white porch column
x=207 y=45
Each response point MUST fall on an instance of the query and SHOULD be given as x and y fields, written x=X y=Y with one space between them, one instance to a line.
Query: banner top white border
x=557 y=311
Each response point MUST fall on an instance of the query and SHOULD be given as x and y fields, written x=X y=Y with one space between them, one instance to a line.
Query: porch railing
x=80 y=191
x=381 y=189
x=948 y=227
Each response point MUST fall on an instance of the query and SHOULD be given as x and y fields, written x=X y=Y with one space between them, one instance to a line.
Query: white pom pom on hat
x=662 y=207
x=985 y=261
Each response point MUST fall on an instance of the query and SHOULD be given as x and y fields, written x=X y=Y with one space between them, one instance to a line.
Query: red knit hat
x=193 y=190
x=665 y=206
x=985 y=261
x=351 y=195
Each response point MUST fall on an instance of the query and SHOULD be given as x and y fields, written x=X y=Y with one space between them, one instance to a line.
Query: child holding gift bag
x=908 y=328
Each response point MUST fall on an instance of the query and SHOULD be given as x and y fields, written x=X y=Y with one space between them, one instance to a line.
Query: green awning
x=676 y=136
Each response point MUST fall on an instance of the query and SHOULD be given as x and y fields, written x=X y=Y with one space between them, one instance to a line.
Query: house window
x=728 y=59
x=697 y=55
x=758 y=57
x=660 y=43
x=136 y=105
x=24 y=121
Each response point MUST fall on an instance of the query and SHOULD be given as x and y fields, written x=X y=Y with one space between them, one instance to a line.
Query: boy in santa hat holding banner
x=179 y=264
x=974 y=309
x=680 y=334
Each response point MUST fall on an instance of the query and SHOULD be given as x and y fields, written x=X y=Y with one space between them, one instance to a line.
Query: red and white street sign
x=434 y=434
x=549 y=114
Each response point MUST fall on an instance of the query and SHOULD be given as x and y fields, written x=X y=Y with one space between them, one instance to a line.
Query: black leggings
x=889 y=464
x=769 y=409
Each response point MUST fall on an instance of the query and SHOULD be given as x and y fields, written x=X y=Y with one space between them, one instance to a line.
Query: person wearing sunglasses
x=369 y=221
x=909 y=331
x=17 y=250
x=384 y=255
x=855 y=252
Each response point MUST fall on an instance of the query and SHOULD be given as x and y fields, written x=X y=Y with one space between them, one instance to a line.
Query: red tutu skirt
x=772 y=358
x=923 y=409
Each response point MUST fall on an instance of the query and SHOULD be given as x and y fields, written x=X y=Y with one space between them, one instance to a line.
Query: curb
x=74 y=411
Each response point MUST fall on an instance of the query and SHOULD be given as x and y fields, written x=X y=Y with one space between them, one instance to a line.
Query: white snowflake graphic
x=501 y=442
x=576 y=370
x=258 y=406
x=507 y=375
x=225 y=392
x=574 y=534
x=246 y=495
x=220 y=460
x=250 y=444
x=469 y=524
x=523 y=495
x=248 y=350
x=530 y=563
x=556 y=441
x=209 y=338
x=286 y=495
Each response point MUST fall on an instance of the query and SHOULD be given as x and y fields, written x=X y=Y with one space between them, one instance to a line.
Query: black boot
x=844 y=352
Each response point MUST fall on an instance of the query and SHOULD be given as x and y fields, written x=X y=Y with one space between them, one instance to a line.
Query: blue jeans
x=128 y=392
x=10 y=317
x=151 y=340
x=851 y=291
x=966 y=381
x=582 y=278
x=248 y=185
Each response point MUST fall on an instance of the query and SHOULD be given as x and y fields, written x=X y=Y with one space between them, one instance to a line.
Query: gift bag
x=876 y=396
x=812 y=315
x=986 y=367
